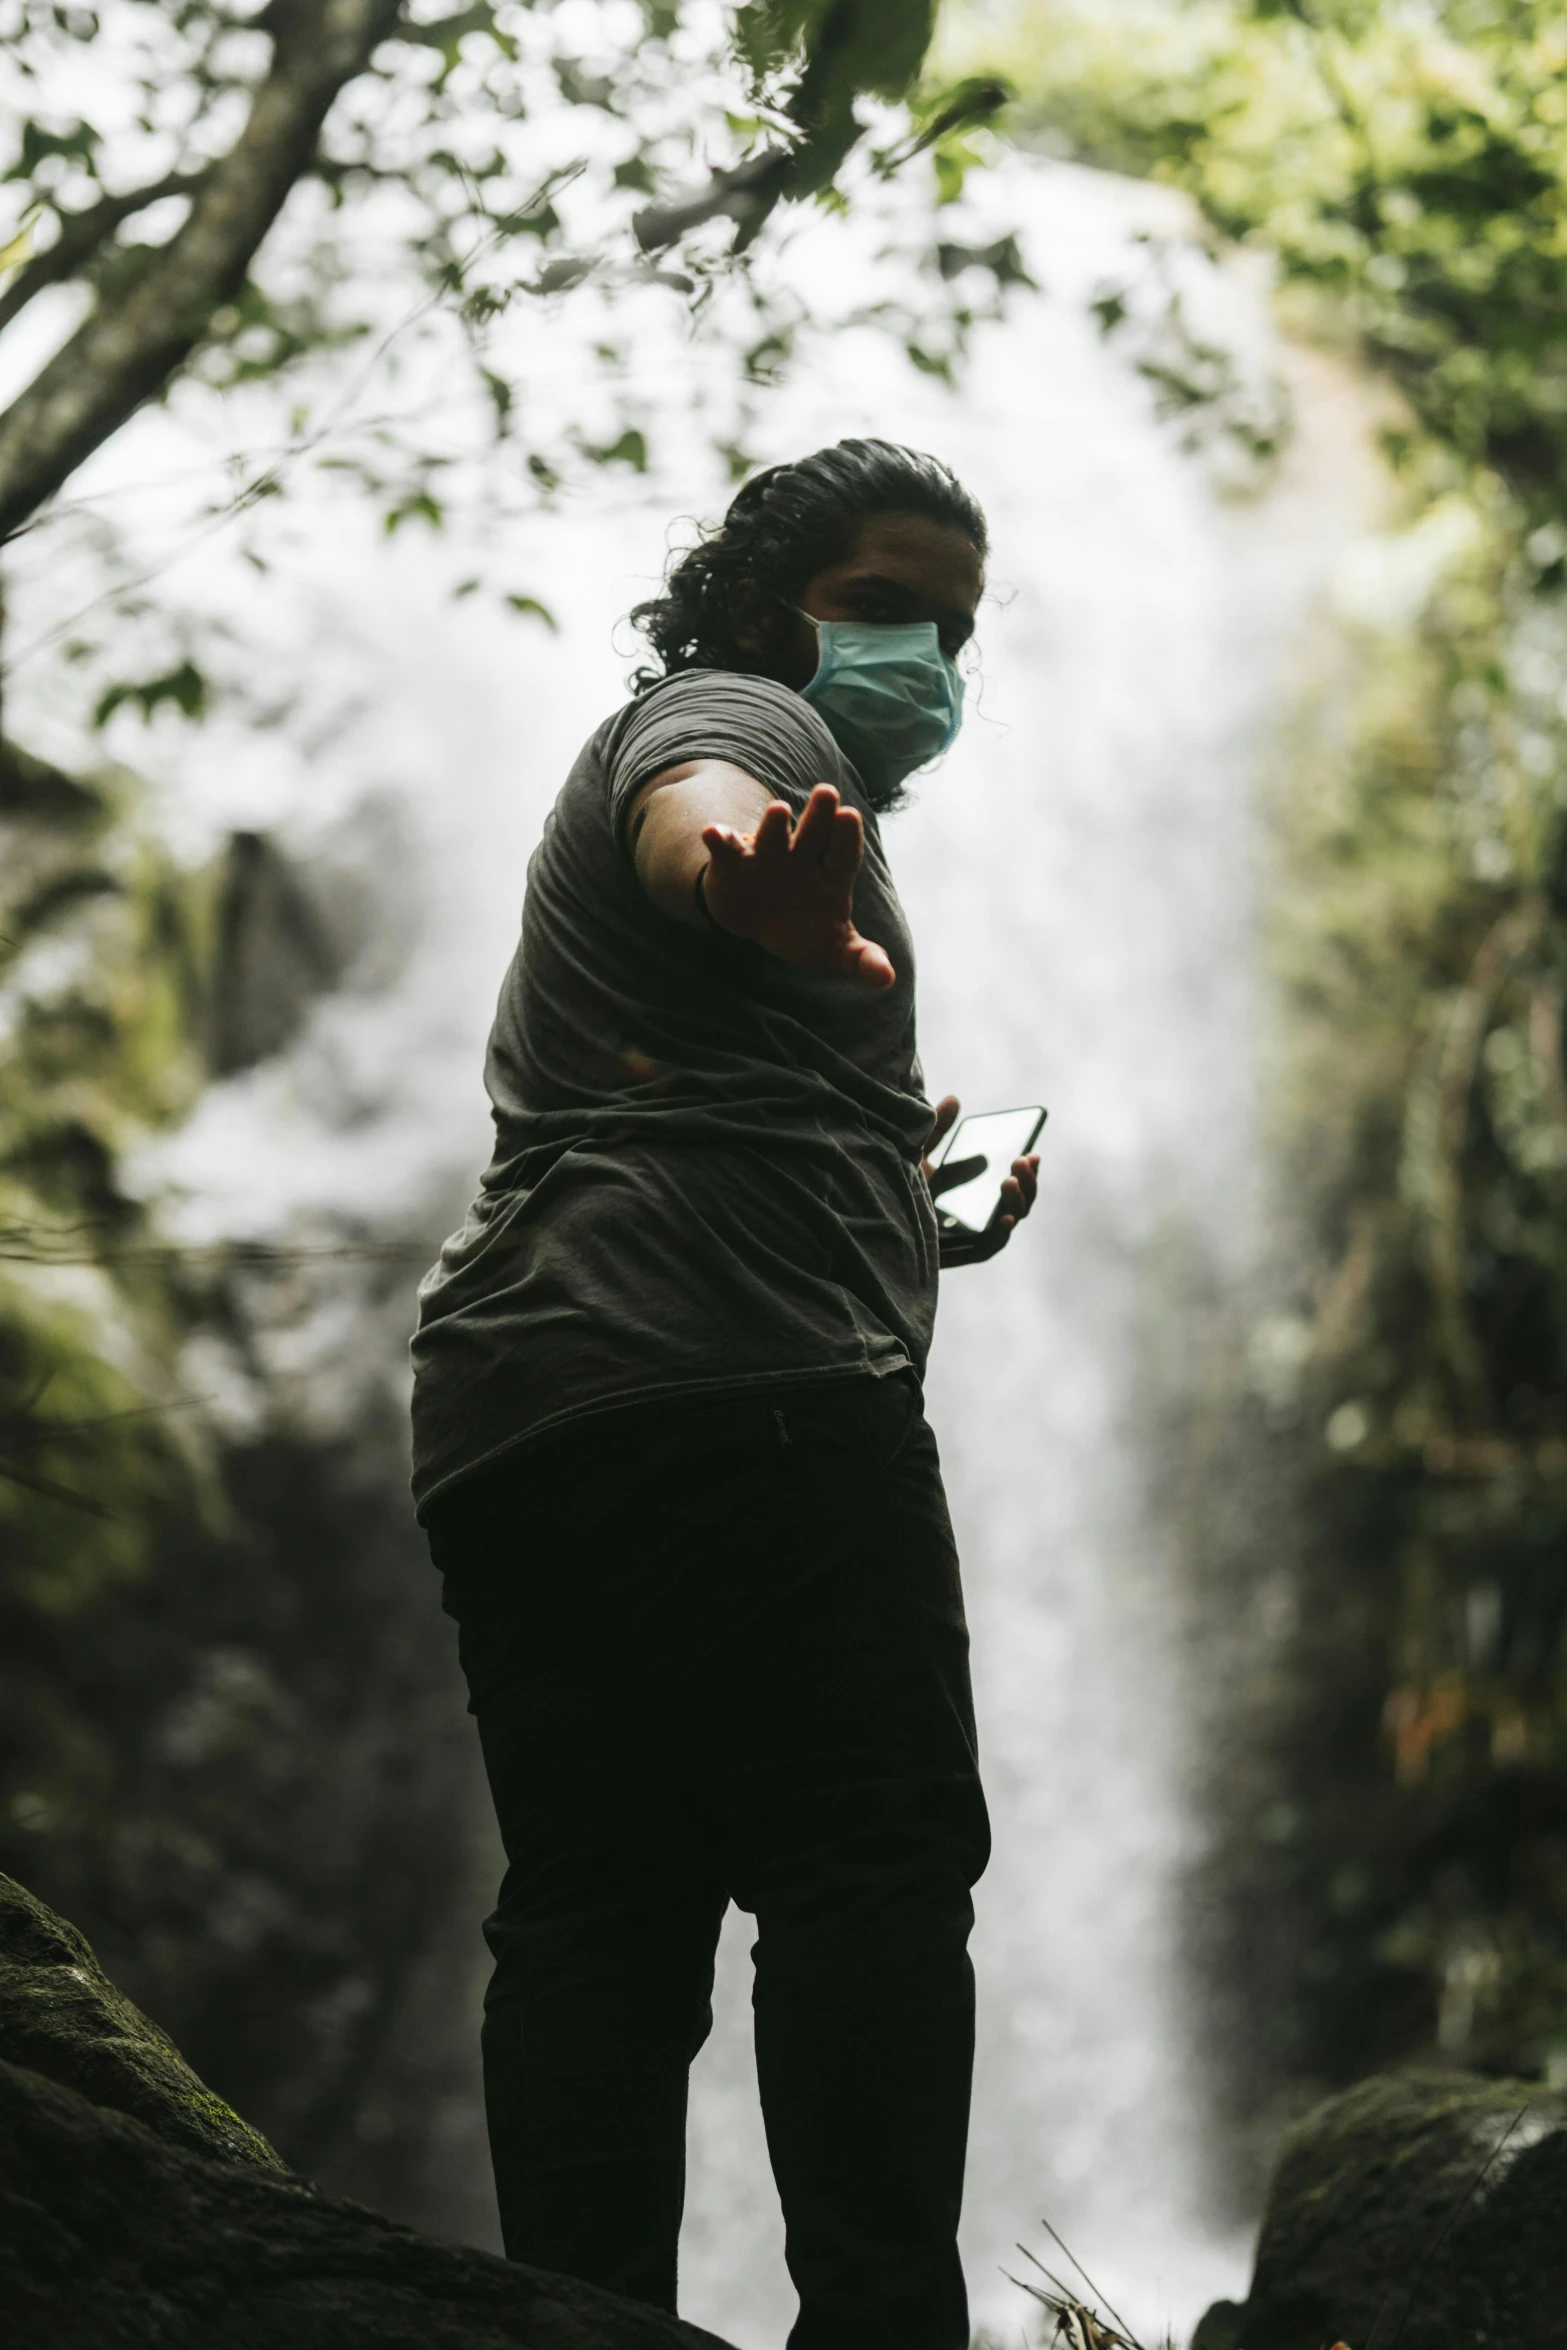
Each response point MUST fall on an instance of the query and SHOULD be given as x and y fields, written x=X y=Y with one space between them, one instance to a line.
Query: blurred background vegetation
x=195 y=1625
x=1391 y=1877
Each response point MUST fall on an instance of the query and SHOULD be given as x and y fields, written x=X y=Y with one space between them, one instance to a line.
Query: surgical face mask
x=891 y=698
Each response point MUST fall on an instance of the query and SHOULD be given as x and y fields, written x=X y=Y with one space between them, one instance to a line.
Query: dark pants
x=717 y=1652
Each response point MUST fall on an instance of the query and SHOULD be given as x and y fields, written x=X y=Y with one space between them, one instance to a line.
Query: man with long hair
x=668 y=1436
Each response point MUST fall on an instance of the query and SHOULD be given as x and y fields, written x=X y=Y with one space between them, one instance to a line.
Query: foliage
x=243 y=184
x=1399 y=1877
x=98 y=961
x=1410 y=168
x=405 y=255
x=227 y=1740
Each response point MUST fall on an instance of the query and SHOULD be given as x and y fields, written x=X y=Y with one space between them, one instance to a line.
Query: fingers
x=946 y=1117
x=952 y=1172
x=771 y=842
x=813 y=834
x=867 y=962
x=845 y=850
x=831 y=836
x=724 y=845
x=1021 y=1188
x=1018 y=1194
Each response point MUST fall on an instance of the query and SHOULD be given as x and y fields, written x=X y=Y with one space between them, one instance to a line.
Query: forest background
x=229 y=1752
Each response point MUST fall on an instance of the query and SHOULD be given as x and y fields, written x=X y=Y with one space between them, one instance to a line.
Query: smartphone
x=996 y=1138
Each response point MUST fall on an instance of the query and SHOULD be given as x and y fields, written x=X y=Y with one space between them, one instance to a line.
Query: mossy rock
x=61 y=2016
x=114 y=2238
x=1428 y=2209
x=138 y=2213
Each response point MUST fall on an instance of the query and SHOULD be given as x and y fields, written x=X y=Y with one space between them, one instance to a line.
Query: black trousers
x=717 y=1653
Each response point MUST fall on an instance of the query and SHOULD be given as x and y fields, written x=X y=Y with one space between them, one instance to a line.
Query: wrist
x=708 y=918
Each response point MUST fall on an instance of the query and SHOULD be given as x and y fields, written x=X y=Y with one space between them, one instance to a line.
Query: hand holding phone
x=966 y=1181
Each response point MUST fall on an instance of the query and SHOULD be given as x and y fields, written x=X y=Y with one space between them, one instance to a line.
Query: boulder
x=61 y=2016
x=1427 y=2210
x=137 y=2210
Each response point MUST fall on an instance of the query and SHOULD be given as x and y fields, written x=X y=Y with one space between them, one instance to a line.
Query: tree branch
x=135 y=340
x=821 y=105
x=81 y=234
x=822 y=109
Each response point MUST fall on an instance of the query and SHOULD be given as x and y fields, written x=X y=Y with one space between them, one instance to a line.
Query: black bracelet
x=699 y=891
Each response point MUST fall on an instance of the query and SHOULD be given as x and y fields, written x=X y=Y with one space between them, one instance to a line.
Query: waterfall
x=1081 y=880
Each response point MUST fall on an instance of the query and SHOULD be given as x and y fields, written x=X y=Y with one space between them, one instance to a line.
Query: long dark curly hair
x=783 y=527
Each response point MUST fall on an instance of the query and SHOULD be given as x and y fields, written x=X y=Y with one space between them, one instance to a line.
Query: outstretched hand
x=1018 y=1190
x=789 y=887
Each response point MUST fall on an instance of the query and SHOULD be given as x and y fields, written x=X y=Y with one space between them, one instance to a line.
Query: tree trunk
x=131 y=343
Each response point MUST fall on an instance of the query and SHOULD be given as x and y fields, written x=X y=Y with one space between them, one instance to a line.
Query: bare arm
x=667 y=820
x=786 y=885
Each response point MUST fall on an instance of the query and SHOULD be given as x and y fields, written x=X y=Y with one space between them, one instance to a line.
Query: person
x=668 y=1439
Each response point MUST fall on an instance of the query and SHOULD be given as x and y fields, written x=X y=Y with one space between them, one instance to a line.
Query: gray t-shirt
x=706 y=1172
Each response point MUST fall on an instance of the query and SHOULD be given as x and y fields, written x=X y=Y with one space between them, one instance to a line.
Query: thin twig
x=52 y=1491
x=227 y=1252
x=262 y=484
x=1060 y=2287
x=1089 y=2282
x=1081 y=2323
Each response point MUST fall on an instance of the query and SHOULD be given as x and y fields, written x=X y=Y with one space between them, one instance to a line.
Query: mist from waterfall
x=1080 y=877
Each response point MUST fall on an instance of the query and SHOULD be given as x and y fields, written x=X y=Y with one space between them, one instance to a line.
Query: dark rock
x=1219 y=2327
x=274 y=955
x=61 y=2016
x=1424 y=2209
x=135 y=2210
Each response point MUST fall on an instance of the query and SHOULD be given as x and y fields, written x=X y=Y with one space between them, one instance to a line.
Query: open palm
x=789 y=886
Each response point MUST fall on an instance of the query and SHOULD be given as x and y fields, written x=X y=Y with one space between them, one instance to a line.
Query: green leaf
x=77 y=143
x=531 y=609
x=558 y=277
x=630 y=449
x=185 y=688
x=951 y=171
x=1004 y=261
x=502 y=399
x=936 y=363
x=418 y=506
x=20 y=247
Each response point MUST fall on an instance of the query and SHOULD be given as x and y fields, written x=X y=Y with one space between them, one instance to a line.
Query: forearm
x=668 y=817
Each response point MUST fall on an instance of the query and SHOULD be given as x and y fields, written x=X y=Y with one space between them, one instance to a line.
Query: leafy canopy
x=223 y=192
x=1410 y=165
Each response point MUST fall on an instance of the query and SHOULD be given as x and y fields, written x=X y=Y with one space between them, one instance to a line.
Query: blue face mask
x=891 y=698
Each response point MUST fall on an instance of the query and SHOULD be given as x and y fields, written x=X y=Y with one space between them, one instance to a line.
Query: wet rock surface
x=1425 y=2209
x=135 y=2208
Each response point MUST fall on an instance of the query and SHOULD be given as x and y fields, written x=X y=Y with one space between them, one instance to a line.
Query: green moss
x=222 y=2118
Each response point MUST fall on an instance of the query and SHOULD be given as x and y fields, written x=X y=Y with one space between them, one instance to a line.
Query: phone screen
x=998 y=1137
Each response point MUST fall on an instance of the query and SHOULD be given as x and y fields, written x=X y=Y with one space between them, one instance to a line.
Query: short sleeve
x=753 y=722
